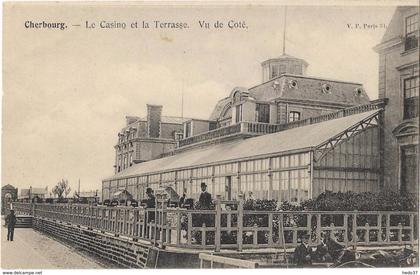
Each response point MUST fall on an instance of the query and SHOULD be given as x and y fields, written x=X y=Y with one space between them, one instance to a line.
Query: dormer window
x=294 y=116
x=411 y=32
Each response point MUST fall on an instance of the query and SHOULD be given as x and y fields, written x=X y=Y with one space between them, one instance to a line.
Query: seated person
x=303 y=252
x=321 y=253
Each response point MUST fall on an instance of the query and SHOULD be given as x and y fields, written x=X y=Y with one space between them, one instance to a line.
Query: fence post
x=178 y=226
x=367 y=226
x=240 y=221
x=189 y=228
x=412 y=228
x=379 y=224
x=32 y=209
x=318 y=228
x=218 y=223
x=346 y=229
x=387 y=230
x=309 y=227
x=270 y=229
x=162 y=220
x=354 y=229
x=400 y=233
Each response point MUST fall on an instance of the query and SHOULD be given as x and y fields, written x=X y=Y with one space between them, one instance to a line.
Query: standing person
x=151 y=200
x=11 y=222
x=182 y=200
x=205 y=197
x=150 y=203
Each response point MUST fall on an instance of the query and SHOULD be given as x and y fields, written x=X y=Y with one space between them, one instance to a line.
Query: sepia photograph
x=210 y=135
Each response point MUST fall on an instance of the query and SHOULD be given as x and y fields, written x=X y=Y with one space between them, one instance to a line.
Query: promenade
x=33 y=250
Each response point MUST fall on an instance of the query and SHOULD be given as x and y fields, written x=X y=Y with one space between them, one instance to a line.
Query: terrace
x=229 y=226
x=248 y=129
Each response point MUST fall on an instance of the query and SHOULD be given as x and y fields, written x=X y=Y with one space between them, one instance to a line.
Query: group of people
x=205 y=199
x=327 y=251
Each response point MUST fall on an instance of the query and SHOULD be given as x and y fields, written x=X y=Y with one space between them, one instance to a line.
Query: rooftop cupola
x=284 y=64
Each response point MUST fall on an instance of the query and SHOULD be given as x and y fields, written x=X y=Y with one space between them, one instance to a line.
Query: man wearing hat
x=205 y=197
x=150 y=203
x=151 y=200
x=303 y=253
x=10 y=222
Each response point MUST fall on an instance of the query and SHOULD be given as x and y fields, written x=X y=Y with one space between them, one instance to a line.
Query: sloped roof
x=286 y=57
x=305 y=137
x=8 y=186
x=309 y=88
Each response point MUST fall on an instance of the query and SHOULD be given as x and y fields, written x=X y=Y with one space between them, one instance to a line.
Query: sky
x=66 y=93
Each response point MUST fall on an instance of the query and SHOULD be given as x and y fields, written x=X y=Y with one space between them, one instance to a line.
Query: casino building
x=399 y=83
x=289 y=138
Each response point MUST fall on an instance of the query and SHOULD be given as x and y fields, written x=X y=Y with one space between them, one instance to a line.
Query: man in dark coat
x=205 y=197
x=150 y=203
x=182 y=200
x=151 y=200
x=204 y=203
x=303 y=252
x=11 y=222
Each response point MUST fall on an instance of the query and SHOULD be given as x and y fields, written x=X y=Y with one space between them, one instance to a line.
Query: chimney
x=154 y=115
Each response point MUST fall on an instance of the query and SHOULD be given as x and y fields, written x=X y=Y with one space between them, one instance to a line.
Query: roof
x=8 y=186
x=164 y=119
x=286 y=57
x=34 y=191
x=301 y=138
x=87 y=194
x=168 y=119
x=309 y=88
x=218 y=109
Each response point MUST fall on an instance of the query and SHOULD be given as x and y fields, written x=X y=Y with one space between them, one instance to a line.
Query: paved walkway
x=33 y=250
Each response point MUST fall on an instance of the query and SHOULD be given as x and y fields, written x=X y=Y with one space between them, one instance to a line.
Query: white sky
x=66 y=93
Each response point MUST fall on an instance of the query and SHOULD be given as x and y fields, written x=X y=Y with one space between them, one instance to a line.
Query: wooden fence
x=229 y=226
x=214 y=261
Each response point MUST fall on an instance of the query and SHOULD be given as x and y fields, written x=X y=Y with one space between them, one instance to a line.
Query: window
x=411 y=97
x=294 y=116
x=411 y=28
x=187 y=129
x=238 y=117
x=274 y=71
x=262 y=113
x=178 y=136
x=409 y=172
x=283 y=69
